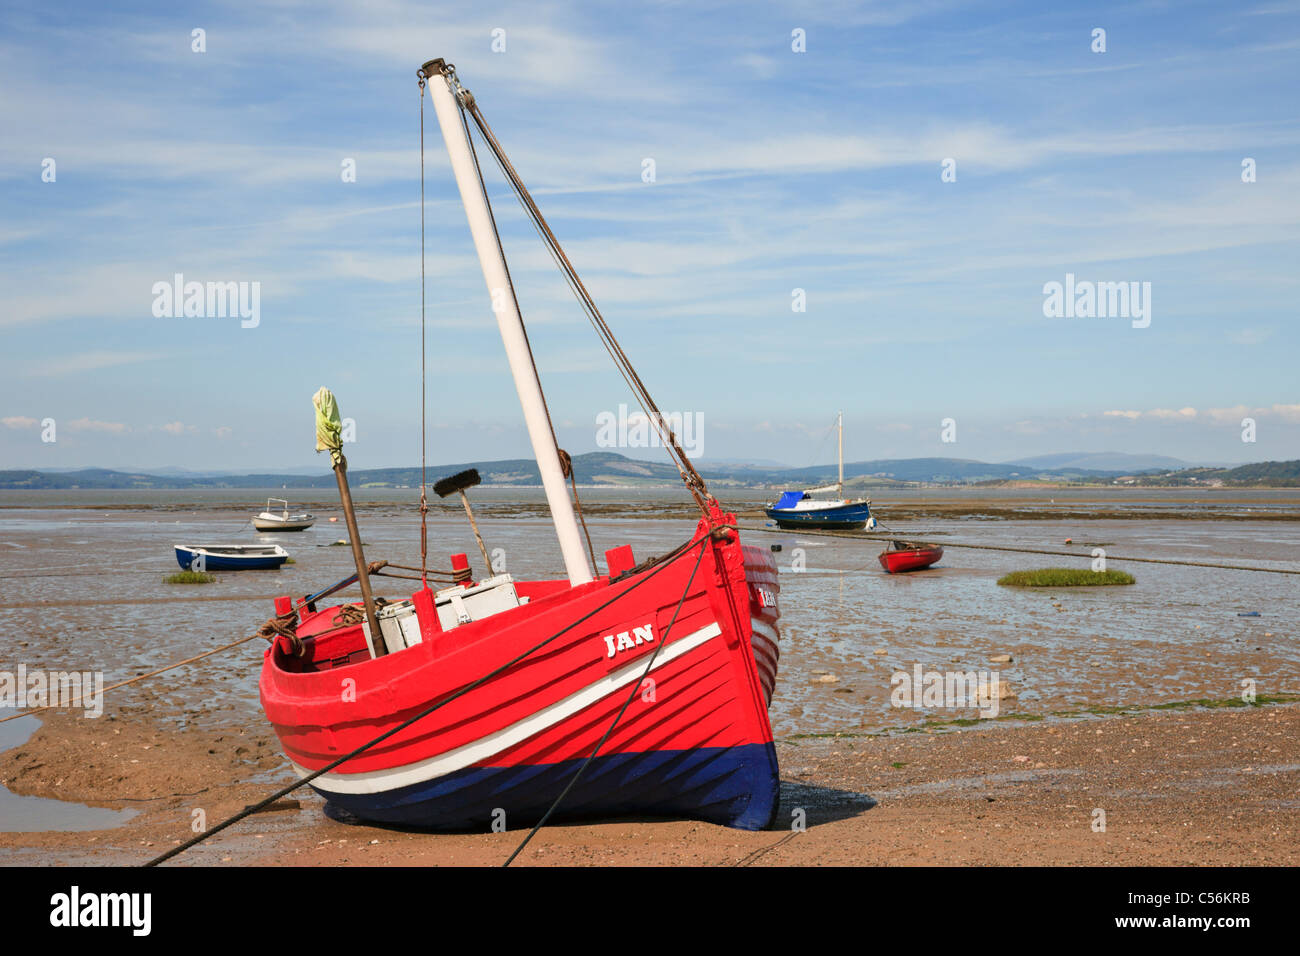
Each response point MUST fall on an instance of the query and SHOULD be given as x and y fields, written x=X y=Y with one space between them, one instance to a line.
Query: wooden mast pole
x=359 y=558
x=329 y=438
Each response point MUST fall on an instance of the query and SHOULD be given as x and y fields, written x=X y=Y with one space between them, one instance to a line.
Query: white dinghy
x=280 y=519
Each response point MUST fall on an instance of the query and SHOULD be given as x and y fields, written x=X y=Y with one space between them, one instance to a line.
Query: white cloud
x=1230 y=415
x=177 y=428
x=93 y=425
x=1287 y=413
x=88 y=362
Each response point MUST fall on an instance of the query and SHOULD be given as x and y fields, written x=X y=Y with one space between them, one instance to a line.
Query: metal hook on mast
x=440 y=67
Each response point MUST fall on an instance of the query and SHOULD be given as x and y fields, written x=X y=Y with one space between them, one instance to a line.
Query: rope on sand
x=138 y=677
x=994 y=547
x=49 y=605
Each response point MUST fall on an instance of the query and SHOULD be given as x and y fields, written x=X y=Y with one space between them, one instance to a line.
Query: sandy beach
x=1205 y=787
x=1124 y=706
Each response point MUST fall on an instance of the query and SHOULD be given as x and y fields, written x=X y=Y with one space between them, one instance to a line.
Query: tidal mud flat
x=1089 y=670
x=1188 y=787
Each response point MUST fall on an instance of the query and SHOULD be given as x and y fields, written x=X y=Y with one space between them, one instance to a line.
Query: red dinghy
x=903 y=556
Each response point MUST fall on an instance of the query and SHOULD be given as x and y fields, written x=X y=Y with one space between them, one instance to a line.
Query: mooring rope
x=749 y=859
x=636 y=687
x=454 y=576
x=65 y=573
x=290 y=788
x=854 y=536
x=140 y=677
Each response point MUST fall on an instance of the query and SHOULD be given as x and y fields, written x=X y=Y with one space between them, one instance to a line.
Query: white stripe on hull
x=467 y=755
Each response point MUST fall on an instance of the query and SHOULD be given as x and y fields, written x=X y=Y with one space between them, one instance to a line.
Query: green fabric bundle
x=329 y=428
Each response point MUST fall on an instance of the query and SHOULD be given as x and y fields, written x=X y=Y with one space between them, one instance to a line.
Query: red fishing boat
x=903 y=556
x=497 y=701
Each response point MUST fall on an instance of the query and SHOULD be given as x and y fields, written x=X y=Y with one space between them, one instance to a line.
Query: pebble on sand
x=1001 y=659
x=1005 y=690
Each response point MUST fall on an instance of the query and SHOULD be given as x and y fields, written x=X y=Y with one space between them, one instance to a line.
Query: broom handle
x=487 y=564
x=363 y=576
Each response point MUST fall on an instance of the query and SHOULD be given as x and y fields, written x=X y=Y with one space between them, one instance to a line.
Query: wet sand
x=1194 y=787
x=195 y=738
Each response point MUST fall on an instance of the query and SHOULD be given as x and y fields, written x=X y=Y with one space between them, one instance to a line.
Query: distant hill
x=1287 y=472
x=613 y=469
x=1103 y=461
x=596 y=468
x=1265 y=474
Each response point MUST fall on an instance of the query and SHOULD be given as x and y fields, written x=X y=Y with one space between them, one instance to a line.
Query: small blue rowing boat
x=230 y=557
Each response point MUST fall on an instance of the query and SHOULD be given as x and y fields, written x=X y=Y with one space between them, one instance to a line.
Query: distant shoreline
x=612 y=470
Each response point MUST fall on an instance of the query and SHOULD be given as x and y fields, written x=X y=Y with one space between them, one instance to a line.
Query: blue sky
x=774 y=170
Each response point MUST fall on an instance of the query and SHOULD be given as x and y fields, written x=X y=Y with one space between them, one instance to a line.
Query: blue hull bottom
x=732 y=786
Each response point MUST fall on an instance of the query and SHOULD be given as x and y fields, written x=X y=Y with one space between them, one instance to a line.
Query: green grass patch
x=955 y=722
x=190 y=577
x=1064 y=578
x=1259 y=701
x=1206 y=703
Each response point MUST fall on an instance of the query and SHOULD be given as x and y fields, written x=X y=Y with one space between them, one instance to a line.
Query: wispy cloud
x=775 y=170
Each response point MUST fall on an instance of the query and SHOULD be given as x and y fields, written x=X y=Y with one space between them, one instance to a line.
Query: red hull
x=911 y=559
x=706 y=697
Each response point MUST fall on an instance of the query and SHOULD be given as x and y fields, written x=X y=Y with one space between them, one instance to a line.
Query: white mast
x=841 y=484
x=492 y=259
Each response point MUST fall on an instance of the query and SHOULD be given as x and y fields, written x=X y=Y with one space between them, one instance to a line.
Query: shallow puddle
x=19 y=814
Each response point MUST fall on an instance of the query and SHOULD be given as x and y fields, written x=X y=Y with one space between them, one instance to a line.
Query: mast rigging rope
x=424 y=481
x=566 y=461
x=691 y=477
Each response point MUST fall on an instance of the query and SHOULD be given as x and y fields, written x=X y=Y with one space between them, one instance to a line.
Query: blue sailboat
x=799 y=509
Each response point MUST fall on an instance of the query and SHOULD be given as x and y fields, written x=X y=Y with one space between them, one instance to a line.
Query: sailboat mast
x=841 y=422
x=492 y=260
